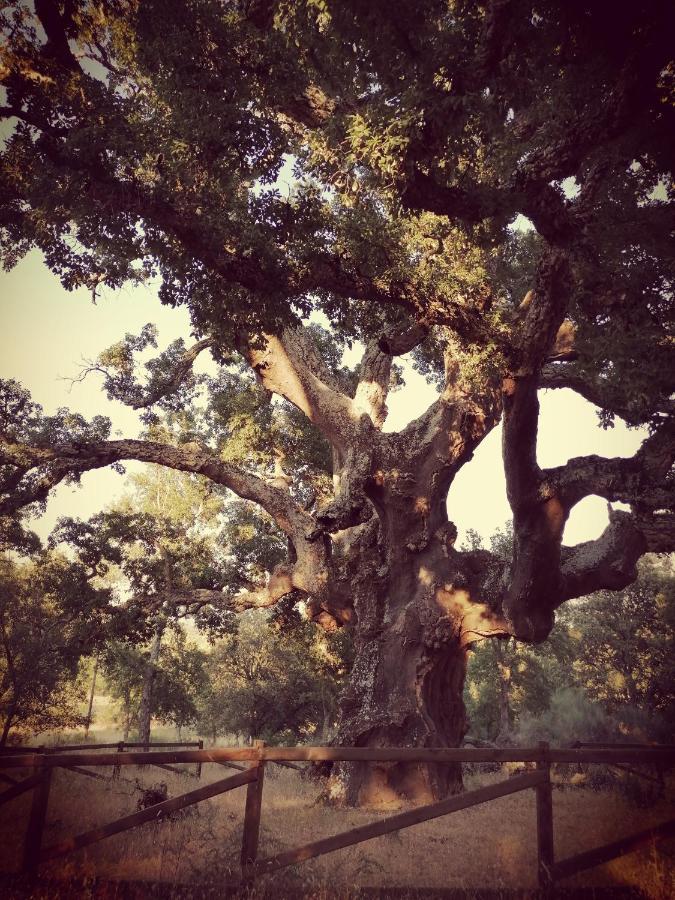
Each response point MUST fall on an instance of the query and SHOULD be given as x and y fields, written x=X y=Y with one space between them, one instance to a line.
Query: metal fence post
x=545 y=847
x=249 y=845
x=36 y=823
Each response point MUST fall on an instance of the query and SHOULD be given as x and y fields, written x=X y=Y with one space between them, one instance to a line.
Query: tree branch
x=610 y=562
x=640 y=480
x=57 y=40
x=283 y=367
x=538 y=515
x=61 y=460
x=370 y=398
x=308 y=573
x=557 y=376
x=139 y=397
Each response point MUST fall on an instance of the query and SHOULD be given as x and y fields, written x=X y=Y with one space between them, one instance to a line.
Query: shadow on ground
x=78 y=889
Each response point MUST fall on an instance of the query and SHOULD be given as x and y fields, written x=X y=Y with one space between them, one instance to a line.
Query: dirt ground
x=486 y=848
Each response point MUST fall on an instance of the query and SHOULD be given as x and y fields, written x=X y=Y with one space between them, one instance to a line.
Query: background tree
x=161 y=540
x=50 y=619
x=179 y=681
x=148 y=139
x=604 y=674
x=274 y=683
x=123 y=670
x=624 y=654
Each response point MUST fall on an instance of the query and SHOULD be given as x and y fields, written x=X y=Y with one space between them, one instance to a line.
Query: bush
x=570 y=717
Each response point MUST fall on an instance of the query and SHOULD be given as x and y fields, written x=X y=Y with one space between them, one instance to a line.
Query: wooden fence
x=119 y=746
x=42 y=762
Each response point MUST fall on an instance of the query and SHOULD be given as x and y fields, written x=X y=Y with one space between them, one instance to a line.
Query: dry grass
x=490 y=846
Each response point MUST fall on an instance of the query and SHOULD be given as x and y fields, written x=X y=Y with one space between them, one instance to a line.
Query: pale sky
x=46 y=333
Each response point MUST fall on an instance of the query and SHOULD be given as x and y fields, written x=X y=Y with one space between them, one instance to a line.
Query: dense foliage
x=606 y=672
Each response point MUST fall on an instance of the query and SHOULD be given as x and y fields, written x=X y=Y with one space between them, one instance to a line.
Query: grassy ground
x=487 y=847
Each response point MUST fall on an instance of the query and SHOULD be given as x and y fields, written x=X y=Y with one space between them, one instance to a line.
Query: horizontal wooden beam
x=174 y=769
x=78 y=771
x=232 y=765
x=615 y=755
x=599 y=855
x=59 y=748
x=152 y=813
x=20 y=788
x=395 y=823
x=288 y=765
x=320 y=754
x=608 y=745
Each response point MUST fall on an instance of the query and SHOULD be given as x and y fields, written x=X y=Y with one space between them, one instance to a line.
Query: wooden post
x=249 y=845
x=199 y=764
x=36 y=823
x=545 y=848
x=116 y=769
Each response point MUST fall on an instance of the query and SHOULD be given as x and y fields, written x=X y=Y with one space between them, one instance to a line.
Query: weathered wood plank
x=545 y=846
x=615 y=755
x=319 y=754
x=231 y=765
x=174 y=770
x=607 y=852
x=252 y=814
x=78 y=771
x=198 y=771
x=155 y=812
x=20 y=787
x=36 y=823
x=395 y=823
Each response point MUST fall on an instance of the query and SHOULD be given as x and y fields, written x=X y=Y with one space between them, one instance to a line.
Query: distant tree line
x=607 y=673
x=105 y=597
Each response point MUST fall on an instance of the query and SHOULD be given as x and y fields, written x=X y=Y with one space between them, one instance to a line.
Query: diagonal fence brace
x=152 y=813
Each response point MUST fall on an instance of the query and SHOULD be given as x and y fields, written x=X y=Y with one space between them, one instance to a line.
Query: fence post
x=116 y=769
x=545 y=847
x=36 y=824
x=249 y=844
x=199 y=764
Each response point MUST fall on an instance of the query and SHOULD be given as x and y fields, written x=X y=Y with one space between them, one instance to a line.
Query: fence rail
x=42 y=762
x=55 y=758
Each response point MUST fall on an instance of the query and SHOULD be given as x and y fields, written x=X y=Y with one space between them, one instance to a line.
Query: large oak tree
x=146 y=139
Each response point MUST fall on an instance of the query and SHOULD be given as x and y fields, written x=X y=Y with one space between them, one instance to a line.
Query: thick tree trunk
x=406 y=686
x=401 y=695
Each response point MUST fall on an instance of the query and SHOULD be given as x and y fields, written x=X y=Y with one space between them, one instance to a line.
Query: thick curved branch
x=284 y=366
x=261 y=596
x=399 y=342
x=538 y=515
x=62 y=460
x=642 y=480
x=57 y=45
x=608 y=563
x=371 y=393
x=308 y=572
x=370 y=398
x=180 y=373
x=557 y=376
